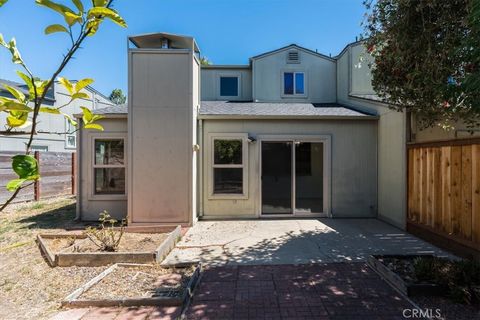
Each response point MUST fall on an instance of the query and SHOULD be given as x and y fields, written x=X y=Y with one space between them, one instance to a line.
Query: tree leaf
x=14 y=184
x=87 y=115
x=99 y=3
x=2 y=41
x=70 y=119
x=94 y=126
x=92 y=26
x=83 y=83
x=15 y=92
x=2 y=2
x=27 y=80
x=25 y=166
x=97 y=117
x=55 y=28
x=100 y=12
x=80 y=95
x=16 y=106
x=16 y=57
x=17 y=119
x=79 y=5
x=72 y=18
x=67 y=84
x=49 y=110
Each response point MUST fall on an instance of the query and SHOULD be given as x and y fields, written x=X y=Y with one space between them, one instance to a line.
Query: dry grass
x=29 y=288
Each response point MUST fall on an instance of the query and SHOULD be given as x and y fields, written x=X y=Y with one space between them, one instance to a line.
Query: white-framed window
x=109 y=168
x=229 y=86
x=70 y=135
x=229 y=169
x=294 y=83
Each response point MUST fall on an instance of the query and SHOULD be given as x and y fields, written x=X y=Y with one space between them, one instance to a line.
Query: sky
x=227 y=32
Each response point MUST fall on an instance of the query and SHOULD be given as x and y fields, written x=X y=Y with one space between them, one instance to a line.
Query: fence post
x=36 y=184
x=74 y=166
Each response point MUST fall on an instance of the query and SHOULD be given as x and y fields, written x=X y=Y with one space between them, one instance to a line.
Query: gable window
x=293 y=83
x=229 y=86
x=109 y=166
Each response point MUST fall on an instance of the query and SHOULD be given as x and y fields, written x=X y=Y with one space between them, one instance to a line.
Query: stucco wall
x=391 y=136
x=353 y=164
x=211 y=79
x=319 y=77
x=88 y=205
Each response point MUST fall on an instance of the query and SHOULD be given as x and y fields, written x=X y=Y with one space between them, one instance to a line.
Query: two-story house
x=56 y=133
x=294 y=133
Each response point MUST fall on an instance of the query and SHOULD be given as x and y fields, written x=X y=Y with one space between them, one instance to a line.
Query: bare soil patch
x=144 y=282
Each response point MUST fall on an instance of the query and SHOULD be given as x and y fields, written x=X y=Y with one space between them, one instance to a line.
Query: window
x=228 y=166
x=229 y=86
x=293 y=83
x=109 y=166
x=70 y=135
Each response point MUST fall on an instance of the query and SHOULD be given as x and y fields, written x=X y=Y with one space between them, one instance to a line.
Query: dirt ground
x=29 y=288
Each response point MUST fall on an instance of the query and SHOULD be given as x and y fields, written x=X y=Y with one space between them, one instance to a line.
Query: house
x=294 y=133
x=61 y=136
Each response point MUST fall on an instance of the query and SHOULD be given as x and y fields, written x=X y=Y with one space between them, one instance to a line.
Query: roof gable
x=289 y=47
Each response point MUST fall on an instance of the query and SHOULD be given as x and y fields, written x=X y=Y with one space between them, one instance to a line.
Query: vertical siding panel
x=466 y=211
x=437 y=194
x=476 y=193
x=446 y=190
x=456 y=174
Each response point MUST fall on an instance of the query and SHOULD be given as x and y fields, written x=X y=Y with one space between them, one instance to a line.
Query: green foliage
x=55 y=28
x=204 y=61
x=427 y=58
x=106 y=237
x=2 y=2
x=89 y=119
x=117 y=96
x=26 y=167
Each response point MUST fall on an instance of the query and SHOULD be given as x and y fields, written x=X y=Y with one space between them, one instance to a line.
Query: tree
x=204 y=61
x=427 y=58
x=117 y=96
x=23 y=110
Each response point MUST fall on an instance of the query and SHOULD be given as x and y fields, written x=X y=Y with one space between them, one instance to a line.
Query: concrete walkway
x=294 y=241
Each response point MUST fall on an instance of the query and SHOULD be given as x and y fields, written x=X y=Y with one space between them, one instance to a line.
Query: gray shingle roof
x=263 y=109
x=120 y=109
x=22 y=88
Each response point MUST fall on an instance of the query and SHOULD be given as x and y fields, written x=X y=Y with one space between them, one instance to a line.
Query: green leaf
x=26 y=79
x=67 y=84
x=70 y=119
x=49 y=110
x=18 y=119
x=87 y=115
x=66 y=12
x=100 y=12
x=55 y=28
x=79 y=5
x=2 y=41
x=97 y=117
x=2 y=2
x=26 y=167
x=72 y=18
x=95 y=126
x=99 y=3
x=82 y=84
x=16 y=57
x=15 y=92
x=16 y=106
x=80 y=95
x=92 y=26
x=14 y=184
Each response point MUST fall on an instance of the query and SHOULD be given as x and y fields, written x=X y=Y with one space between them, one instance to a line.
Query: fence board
x=476 y=193
x=56 y=176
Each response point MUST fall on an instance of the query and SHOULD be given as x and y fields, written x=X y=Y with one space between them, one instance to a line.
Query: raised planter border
x=408 y=289
x=95 y=259
x=72 y=301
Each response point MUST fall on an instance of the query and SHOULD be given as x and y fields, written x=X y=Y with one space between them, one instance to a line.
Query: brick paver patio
x=309 y=291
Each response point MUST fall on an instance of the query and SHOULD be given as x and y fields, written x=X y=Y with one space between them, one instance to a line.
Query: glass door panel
x=309 y=177
x=276 y=177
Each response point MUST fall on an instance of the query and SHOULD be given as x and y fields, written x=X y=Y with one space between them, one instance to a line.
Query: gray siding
x=353 y=164
x=211 y=79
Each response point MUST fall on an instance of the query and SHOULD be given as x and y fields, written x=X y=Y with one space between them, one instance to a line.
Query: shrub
x=106 y=237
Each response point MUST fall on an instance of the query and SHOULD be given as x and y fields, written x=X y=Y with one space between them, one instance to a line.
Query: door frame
x=327 y=168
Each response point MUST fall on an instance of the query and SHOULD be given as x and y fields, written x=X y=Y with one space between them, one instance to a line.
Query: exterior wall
x=391 y=136
x=88 y=205
x=54 y=123
x=319 y=77
x=353 y=164
x=439 y=134
x=161 y=138
x=211 y=87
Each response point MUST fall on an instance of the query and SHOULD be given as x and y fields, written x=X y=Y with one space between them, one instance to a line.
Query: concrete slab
x=294 y=241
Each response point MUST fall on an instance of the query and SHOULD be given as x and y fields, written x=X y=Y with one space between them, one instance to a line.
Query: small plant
x=106 y=237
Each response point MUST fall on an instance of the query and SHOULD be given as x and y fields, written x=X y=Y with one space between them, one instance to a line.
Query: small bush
x=105 y=236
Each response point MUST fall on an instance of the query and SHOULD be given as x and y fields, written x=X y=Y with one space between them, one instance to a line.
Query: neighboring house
x=57 y=140
x=294 y=133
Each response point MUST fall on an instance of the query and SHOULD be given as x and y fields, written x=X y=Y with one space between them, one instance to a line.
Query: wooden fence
x=57 y=170
x=444 y=191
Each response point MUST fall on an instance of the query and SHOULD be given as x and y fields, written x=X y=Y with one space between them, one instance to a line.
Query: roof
x=153 y=41
x=293 y=45
x=226 y=66
x=229 y=109
x=113 y=110
x=50 y=96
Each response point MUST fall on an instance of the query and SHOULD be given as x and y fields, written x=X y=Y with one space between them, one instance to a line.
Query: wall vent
x=293 y=56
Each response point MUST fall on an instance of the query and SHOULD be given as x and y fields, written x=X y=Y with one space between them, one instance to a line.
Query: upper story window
x=229 y=86
x=293 y=83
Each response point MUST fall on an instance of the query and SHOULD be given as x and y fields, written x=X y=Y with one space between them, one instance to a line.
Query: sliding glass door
x=292 y=180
